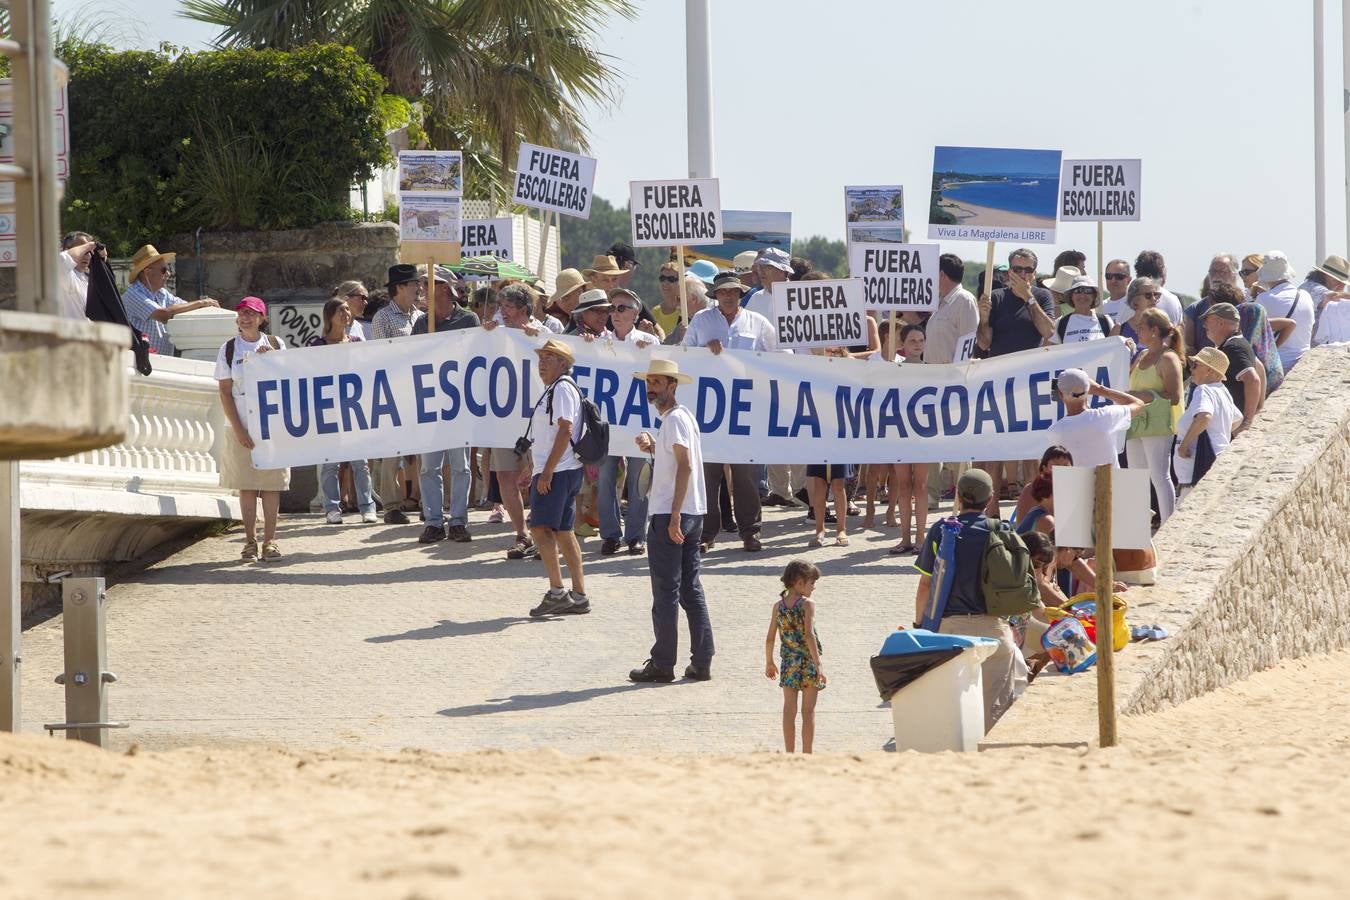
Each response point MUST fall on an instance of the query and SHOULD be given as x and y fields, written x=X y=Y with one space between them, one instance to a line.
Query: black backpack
x=593 y=444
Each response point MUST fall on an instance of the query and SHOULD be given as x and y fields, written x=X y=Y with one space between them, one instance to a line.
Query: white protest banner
x=477 y=388
x=554 y=180
x=896 y=277
x=676 y=213
x=965 y=347
x=488 y=237
x=819 y=313
x=1099 y=190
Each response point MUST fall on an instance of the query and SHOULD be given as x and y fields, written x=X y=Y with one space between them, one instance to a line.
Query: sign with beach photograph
x=676 y=213
x=874 y=214
x=819 y=313
x=747 y=230
x=1099 y=190
x=431 y=172
x=555 y=180
x=994 y=194
x=896 y=277
x=429 y=218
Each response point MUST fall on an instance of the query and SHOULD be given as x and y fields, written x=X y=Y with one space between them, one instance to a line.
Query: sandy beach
x=988 y=216
x=1232 y=795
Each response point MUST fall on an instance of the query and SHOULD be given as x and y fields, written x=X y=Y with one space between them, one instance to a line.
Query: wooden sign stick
x=1106 y=575
x=684 y=290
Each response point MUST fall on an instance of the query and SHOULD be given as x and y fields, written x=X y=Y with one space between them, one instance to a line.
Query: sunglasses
x=1116 y=276
x=1084 y=292
x=1245 y=272
x=670 y=279
x=363 y=296
x=167 y=270
x=1152 y=295
x=1024 y=270
x=624 y=308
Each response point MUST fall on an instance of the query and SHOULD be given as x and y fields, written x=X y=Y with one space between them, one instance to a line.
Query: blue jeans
x=332 y=491
x=675 y=583
x=609 y=500
x=433 y=486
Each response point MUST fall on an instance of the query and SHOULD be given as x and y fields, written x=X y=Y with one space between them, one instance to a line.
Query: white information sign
x=896 y=277
x=1099 y=190
x=676 y=213
x=554 y=180
x=8 y=246
x=1075 y=489
x=819 y=313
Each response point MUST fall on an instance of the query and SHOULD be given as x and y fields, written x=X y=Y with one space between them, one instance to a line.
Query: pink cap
x=253 y=303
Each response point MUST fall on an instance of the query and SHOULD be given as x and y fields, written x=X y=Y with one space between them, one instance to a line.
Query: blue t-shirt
x=967 y=596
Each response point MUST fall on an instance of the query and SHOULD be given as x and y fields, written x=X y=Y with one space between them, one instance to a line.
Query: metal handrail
x=76 y=726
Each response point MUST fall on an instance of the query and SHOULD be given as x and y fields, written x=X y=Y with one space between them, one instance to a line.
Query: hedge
x=227 y=139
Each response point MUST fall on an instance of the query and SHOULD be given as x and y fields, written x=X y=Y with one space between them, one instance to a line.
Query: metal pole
x=698 y=72
x=1319 y=136
x=1345 y=105
x=1106 y=576
x=11 y=706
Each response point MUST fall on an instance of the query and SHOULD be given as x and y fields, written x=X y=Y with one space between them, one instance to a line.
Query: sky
x=1215 y=96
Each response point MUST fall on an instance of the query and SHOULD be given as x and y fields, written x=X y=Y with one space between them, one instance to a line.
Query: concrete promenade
x=362 y=637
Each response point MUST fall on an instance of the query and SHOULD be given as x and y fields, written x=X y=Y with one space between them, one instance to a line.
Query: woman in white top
x=1085 y=322
x=237 y=471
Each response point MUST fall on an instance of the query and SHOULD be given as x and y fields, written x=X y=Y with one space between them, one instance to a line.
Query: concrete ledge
x=1254 y=567
x=64 y=387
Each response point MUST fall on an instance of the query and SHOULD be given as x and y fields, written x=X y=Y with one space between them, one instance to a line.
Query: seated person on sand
x=1053 y=456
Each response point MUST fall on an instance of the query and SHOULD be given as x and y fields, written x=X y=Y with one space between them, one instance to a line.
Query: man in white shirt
x=617 y=531
x=677 y=502
x=955 y=317
x=1117 y=304
x=1094 y=437
x=772 y=266
x=727 y=326
x=76 y=250
x=1335 y=325
x=1150 y=264
x=556 y=481
x=1291 y=311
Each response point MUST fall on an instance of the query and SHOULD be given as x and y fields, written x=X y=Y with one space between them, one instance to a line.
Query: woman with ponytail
x=1156 y=378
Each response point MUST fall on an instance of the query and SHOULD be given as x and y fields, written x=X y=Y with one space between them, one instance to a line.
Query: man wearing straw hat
x=567 y=291
x=604 y=273
x=677 y=502
x=149 y=304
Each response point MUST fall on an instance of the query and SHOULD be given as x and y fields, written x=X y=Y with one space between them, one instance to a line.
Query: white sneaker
x=369 y=517
x=334 y=517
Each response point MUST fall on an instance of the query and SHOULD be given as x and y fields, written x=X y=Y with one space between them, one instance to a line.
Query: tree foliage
x=162 y=143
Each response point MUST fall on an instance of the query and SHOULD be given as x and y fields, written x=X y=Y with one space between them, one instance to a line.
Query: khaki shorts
x=504 y=460
x=238 y=473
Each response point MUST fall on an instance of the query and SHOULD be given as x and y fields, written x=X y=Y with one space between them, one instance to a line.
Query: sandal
x=816 y=541
x=250 y=551
x=902 y=550
x=841 y=540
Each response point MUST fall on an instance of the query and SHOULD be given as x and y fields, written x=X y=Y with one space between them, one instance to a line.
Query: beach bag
x=1083 y=607
x=1006 y=579
x=1154 y=421
x=593 y=445
x=1068 y=645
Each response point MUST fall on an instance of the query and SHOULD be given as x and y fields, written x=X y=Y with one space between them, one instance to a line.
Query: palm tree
x=489 y=74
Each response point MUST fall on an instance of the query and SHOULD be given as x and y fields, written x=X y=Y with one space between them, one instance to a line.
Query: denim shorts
x=557 y=509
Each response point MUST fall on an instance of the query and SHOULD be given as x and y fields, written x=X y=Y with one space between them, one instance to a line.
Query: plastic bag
x=1069 y=647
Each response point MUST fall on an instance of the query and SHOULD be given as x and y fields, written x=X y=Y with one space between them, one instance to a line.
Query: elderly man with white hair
x=1291 y=310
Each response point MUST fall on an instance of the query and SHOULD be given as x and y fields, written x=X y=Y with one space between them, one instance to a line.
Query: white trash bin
x=942 y=709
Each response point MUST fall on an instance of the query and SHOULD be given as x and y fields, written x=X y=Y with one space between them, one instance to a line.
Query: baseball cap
x=772 y=256
x=1223 y=311
x=253 y=303
x=1074 y=382
x=975 y=486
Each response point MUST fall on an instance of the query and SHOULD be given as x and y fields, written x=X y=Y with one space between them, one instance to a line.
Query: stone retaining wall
x=1255 y=566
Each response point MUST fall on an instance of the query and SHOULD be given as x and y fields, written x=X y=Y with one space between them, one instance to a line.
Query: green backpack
x=1006 y=579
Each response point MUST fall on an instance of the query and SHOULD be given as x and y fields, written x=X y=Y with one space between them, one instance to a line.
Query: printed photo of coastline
x=431 y=171
x=875 y=213
x=747 y=230
x=990 y=187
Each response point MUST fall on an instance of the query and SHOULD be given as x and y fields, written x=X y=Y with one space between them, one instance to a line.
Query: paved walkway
x=362 y=637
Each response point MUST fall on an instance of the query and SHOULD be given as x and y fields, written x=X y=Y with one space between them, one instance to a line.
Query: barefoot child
x=793 y=621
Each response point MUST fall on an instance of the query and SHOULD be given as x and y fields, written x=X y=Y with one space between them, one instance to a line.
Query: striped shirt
x=392 y=322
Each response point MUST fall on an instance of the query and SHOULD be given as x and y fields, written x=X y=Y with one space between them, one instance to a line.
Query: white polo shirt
x=678 y=427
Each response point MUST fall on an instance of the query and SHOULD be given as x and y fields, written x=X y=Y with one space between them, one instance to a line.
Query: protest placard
x=896 y=277
x=1131 y=517
x=488 y=237
x=994 y=194
x=965 y=347
x=819 y=313
x=431 y=172
x=428 y=218
x=555 y=180
x=874 y=214
x=1099 y=190
x=676 y=213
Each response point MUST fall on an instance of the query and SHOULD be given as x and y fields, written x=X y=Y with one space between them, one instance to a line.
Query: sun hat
x=593 y=299
x=1074 y=382
x=557 y=348
x=1212 y=357
x=744 y=261
x=401 y=273
x=568 y=280
x=1335 y=266
x=1063 y=279
x=1275 y=269
x=704 y=270
x=144 y=257
x=625 y=292
x=975 y=486
x=726 y=281
x=604 y=265
x=666 y=367
x=1078 y=281
x=772 y=256
x=254 y=303
x=1225 y=311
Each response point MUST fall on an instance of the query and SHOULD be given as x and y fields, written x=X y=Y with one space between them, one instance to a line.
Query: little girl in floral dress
x=793 y=622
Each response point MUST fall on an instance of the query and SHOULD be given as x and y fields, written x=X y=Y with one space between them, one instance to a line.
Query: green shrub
x=163 y=143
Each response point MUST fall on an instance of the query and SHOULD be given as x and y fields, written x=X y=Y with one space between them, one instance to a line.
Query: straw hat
x=1335 y=266
x=557 y=348
x=568 y=280
x=666 y=367
x=728 y=281
x=604 y=265
x=595 y=299
x=146 y=256
x=1063 y=279
x=1212 y=357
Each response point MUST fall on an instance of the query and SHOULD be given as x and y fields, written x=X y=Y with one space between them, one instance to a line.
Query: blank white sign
x=1131 y=516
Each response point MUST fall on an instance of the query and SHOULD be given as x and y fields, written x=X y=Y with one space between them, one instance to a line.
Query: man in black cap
x=1245 y=379
x=396 y=320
